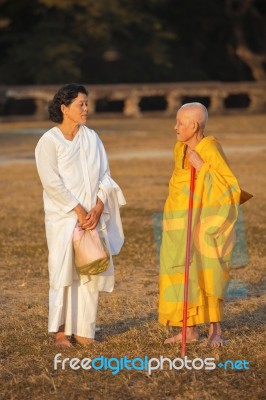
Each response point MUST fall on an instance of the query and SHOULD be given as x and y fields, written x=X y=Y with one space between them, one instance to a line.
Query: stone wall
x=219 y=98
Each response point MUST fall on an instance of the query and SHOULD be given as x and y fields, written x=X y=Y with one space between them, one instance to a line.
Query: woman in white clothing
x=77 y=188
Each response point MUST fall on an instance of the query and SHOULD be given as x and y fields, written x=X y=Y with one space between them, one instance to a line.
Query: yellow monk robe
x=215 y=207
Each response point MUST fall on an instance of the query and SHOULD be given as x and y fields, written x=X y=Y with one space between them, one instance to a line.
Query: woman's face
x=184 y=126
x=77 y=111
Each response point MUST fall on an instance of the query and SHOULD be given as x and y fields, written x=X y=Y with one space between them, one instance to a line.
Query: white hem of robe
x=75 y=307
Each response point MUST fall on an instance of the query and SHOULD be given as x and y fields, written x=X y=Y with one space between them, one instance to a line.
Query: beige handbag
x=91 y=253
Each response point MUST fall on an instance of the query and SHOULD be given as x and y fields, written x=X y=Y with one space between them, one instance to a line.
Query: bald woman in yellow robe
x=215 y=207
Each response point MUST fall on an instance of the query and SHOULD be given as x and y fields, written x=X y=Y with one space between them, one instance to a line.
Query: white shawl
x=75 y=172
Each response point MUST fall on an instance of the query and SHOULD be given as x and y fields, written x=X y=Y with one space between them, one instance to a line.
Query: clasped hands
x=195 y=159
x=89 y=220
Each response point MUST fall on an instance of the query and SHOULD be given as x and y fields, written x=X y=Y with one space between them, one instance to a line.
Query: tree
x=86 y=40
x=113 y=41
x=34 y=45
x=248 y=21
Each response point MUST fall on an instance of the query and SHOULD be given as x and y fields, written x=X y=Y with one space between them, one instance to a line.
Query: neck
x=69 y=129
x=192 y=142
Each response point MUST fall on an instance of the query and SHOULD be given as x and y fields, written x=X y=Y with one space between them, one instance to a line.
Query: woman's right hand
x=81 y=214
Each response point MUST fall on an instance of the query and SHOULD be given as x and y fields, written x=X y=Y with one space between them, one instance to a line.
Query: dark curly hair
x=65 y=95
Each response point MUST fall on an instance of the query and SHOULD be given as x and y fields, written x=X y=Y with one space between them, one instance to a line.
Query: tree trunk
x=253 y=60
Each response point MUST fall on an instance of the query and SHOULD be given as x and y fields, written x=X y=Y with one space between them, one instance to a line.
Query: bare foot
x=62 y=340
x=191 y=336
x=215 y=341
x=215 y=335
x=83 y=340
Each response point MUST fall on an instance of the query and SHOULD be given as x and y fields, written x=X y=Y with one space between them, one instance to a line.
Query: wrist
x=99 y=204
x=200 y=165
x=79 y=210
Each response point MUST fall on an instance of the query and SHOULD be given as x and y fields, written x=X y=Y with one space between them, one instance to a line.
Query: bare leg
x=192 y=336
x=61 y=339
x=215 y=335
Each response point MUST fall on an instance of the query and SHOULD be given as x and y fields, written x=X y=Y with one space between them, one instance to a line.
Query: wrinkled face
x=77 y=111
x=184 y=126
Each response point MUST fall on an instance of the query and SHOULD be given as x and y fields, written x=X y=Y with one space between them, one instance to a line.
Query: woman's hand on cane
x=195 y=159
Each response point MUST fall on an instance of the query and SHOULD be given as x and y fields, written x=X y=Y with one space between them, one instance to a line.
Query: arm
x=106 y=186
x=220 y=195
x=46 y=160
x=89 y=220
x=219 y=182
x=218 y=192
x=219 y=177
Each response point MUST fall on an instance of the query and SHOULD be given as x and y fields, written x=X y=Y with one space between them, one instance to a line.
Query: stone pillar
x=217 y=103
x=174 y=102
x=131 y=106
x=257 y=103
x=91 y=105
x=41 y=111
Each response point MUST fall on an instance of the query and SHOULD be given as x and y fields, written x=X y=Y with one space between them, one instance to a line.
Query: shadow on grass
x=252 y=319
x=124 y=326
x=245 y=320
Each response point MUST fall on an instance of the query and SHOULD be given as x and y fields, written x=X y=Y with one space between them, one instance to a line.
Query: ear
x=63 y=108
x=196 y=127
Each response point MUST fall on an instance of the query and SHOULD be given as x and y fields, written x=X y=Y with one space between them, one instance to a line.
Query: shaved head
x=196 y=112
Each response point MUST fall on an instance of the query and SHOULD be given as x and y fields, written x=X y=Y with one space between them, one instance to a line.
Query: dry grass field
x=140 y=154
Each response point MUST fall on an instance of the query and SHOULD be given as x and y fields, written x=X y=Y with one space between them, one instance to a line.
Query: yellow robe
x=215 y=207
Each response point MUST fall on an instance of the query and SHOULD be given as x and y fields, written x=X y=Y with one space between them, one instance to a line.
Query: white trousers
x=75 y=307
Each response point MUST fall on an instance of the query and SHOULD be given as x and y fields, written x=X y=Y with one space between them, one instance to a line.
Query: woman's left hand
x=93 y=216
x=195 y=160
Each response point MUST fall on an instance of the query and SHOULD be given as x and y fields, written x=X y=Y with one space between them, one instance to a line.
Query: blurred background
x=97 y=42
x=46 y=43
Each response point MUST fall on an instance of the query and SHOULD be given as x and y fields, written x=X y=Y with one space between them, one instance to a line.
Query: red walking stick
x=188 y=246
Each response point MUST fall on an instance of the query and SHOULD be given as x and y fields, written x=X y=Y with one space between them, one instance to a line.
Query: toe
x=173 y=340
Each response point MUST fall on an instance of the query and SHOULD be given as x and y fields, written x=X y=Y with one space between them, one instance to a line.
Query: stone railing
x=217 y=96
